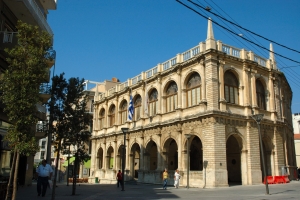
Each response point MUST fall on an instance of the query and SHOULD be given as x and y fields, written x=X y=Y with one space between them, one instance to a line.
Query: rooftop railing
x=182 y=57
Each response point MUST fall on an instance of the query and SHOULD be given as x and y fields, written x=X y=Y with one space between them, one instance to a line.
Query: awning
x=70 y=161
x=87 y=164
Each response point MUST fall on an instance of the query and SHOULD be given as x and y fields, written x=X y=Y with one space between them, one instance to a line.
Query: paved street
x=145 y=191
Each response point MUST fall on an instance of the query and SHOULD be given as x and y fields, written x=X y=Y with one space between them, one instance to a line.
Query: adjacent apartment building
x=203 y=98
x=33 y=12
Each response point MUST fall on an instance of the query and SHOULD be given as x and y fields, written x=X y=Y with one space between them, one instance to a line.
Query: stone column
x=279 y=157
x=160 y=166
x=131 y=165
x=179 y=92
x=211 y=78
x=127 y=153
x=179 y=150
x=244 y=167
x=160 y=95
x=253 y=92
x=203 y=81
x=115 y=155
x=254 y=169
x=221 y=83
x=216 y=170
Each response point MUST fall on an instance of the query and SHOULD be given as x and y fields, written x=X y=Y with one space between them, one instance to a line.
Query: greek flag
x=130 y=109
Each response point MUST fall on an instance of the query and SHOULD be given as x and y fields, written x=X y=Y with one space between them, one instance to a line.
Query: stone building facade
x=210 y=93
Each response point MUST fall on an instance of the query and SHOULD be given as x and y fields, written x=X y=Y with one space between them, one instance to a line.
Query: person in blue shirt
x=44 y=173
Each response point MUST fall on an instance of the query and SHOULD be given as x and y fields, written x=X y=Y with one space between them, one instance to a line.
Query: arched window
x=100 y=158
x=123 y=112
x=111 y=115
x=193 y=90
x=153 y=102
x=171 y=99
x=101 y=119
x=137 y=107
x=260 y=95
x=231 y=85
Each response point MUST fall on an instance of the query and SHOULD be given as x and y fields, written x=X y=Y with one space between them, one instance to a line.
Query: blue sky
x=100 y=39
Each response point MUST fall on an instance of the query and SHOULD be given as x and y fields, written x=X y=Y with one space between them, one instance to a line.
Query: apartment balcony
x=30 y=12
x=49 y=4
x=41 y=129
x=45 y=93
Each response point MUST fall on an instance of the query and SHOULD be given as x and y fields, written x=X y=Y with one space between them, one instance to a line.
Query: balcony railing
x=42 y=127
x=182 y=57
x=34 y=8
x=45 y=89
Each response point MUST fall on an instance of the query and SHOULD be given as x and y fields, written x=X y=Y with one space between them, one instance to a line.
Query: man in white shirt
x=44 y=173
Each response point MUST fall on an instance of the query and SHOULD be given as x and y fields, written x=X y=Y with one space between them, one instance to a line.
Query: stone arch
x=196 y=153
x=239 y=137
x=234 y=145
x=135 y=160
x=100 y=158
x=235 y=72
x=170 y=153
x=119 y=158
x=187 y=76
x=150 y=156
x=167 y=83
x=110 y=157
x=267 y=149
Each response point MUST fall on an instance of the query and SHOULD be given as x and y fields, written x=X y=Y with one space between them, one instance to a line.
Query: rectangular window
x=198 y=95
x=189 y=96
x=42 y=155
x=43 y=145
x=193 y=97
x=227 y=93
x=236 y=96
x=175 y=102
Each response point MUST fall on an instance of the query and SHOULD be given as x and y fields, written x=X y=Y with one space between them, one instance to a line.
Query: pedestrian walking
x=119 y=178
x=176 y=178
x=165 y=179
x=44 y=173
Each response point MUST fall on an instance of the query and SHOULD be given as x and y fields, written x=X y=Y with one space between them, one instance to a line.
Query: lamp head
x=125 y=130
x=258 y=117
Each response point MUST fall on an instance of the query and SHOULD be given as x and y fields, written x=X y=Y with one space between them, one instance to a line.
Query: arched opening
x=110 y=158
x=267 y=158
x=233 y=155
x=137 y=107
x=111 y=115
x=153 y=102
x=170 y=154
x=135 y=160
x=101 y=119
x=123 y=112
x=151 y=156
x=260 y=95
x=120 y=157
x=193 y=91
x=231 y=88
x=171 y=97
x=196 y=155
x=100 y=158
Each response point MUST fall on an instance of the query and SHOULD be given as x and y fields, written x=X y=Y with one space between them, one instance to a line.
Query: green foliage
x=69 y=114
x=20 y=84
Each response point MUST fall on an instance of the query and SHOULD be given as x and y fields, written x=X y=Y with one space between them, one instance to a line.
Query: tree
x=68 y=109
x=20 y=85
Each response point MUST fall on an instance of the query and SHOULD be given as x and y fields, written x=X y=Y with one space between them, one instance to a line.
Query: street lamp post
x=188 y=160
x=124 y=130
x=258 y=118
x=68 y=144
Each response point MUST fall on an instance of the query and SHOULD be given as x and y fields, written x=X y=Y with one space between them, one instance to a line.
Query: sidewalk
x=145 y=191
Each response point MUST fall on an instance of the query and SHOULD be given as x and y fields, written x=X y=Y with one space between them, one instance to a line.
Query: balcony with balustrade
x=32 y=12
